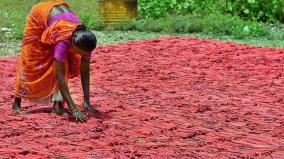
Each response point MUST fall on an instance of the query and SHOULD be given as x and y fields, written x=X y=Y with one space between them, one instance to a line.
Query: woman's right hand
x=78 y=115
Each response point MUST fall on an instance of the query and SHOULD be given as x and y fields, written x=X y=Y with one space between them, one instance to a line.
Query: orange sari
x=36 y=71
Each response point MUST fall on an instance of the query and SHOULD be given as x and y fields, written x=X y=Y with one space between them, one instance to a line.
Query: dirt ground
x=161 y=98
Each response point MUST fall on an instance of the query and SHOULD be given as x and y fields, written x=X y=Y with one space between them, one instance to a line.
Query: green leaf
x=251 y=1
x=246 y=11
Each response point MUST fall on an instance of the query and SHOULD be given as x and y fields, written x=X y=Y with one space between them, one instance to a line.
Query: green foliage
x=186 y=24
x=209 y=17
x=157 y=8
x=233 y=26
x=216 y=24
x=87 y=20
x=260 y=10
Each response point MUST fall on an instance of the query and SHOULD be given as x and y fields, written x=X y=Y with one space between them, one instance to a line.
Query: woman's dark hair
x=84 y=39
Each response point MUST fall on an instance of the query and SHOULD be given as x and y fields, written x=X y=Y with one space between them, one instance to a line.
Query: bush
x=87 y=20
x=158 y=9
x=259 y=10
x=233 y=26
x=186 y=24
x=210 y=24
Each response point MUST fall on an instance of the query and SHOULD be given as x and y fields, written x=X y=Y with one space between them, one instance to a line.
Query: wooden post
x=116 y=11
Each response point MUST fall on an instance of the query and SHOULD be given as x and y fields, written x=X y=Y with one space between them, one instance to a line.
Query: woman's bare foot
x=90 y=108
x=58 y=109
x=16 y=107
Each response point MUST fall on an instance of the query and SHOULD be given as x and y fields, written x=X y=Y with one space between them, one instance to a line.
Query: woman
x=55 y=47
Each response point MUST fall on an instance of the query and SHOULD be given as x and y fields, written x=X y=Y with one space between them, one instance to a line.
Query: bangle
x=75 y=110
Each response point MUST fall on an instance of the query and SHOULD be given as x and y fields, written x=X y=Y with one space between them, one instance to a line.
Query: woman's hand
x=78 y=115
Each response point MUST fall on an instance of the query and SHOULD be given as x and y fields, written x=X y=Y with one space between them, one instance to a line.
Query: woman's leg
x=17 y=106
x=58 y=107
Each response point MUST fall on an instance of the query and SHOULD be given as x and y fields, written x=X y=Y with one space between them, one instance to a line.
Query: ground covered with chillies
x=161 y=98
